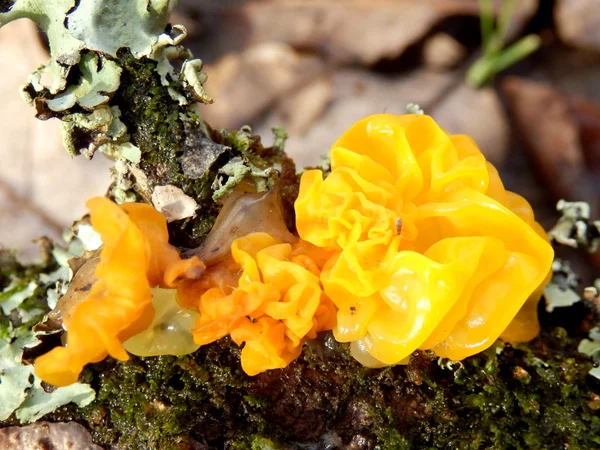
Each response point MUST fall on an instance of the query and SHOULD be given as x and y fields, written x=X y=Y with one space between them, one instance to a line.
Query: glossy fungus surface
x=136 y=257
x=429 y=250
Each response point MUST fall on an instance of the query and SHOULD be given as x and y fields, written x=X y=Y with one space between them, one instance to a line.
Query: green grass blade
x=506 y=13
x=488 y=66
x=516 y=52
x=486 y=22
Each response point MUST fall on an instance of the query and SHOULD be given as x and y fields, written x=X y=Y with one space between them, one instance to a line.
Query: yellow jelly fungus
x=135 y=258
x=429 y=250
x=275 y=304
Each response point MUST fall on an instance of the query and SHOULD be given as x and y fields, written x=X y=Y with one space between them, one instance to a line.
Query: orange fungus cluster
x=136 y=257
x=273 y=307
x=411 y=242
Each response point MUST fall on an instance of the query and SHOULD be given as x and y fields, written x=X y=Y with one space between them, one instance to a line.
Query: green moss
x=391 y=439
x=151 y=116
x=158 y=125
x=169 y=402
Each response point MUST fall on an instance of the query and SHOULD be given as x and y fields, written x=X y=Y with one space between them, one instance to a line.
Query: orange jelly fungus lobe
x=273 y=306
x=429 y=251
x=136 y=257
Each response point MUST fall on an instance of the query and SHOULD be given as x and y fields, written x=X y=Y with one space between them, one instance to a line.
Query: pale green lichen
x=21 y=391
x=80 y=240
x=38 y=402
x=575 y=228
x=324 y=163
x=109 y=26
x=96 y=81
x=15 y=294
x=23 y=305
x=86 y=38
x=14 y=377
x=123 y=182
x=106 y=27
x=413 y=108
x=65 y=49
x=591 y=347
x=126 y=150
x=561 y=291
x=102 y=126
x=280 y=136
x=193 y=80
x=247 y=166
x=236 y=170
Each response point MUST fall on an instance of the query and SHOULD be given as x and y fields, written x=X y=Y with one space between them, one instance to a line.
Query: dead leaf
x=477 y=113
x=561 y=134
x=587 y=116
x=578 y=22
x=345 y=31
x=245 y=85
x=550 y=133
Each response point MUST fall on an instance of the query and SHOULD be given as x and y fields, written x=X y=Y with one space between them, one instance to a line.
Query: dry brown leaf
x=542 y=116
x=578 y=22
x=479 y=114
x=245 y=85
x=348 y=31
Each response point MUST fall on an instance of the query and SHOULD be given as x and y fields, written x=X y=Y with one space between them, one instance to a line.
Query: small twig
x=27 y=204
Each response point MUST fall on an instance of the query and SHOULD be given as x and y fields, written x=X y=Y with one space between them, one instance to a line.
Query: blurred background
x=315 y=67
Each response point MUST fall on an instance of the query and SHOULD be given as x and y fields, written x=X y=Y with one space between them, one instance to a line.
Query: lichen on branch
x=115 y=86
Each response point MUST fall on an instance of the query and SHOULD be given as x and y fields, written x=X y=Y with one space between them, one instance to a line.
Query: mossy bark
x=177 y=147
x=528 y=396
x=167 y=133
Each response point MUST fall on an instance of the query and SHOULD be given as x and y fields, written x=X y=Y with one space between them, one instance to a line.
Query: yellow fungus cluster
x=273 y=307
x=135 y=258
x=411 y=242
x=429 y=250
